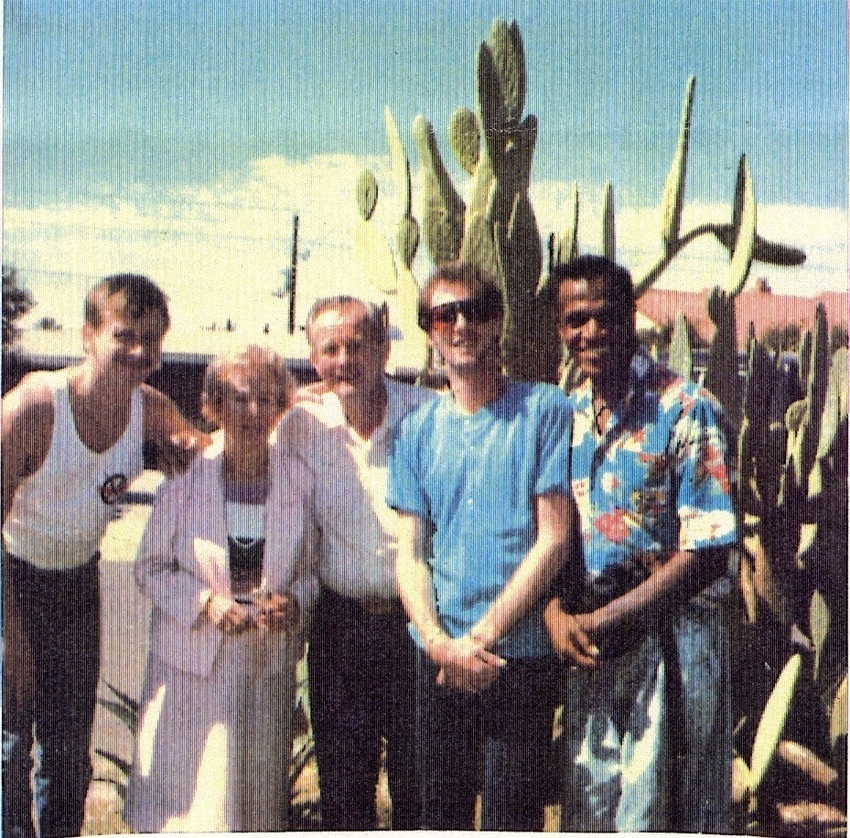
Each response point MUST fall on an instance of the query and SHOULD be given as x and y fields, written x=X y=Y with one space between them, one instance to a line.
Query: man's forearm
x=682 y=576
x=532 y=578
x=414 y=580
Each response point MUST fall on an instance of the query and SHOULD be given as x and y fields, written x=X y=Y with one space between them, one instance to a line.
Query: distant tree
x=784 y=338
x=17 y=301
x=228 y=326
x=48 y=324
x=838 y=336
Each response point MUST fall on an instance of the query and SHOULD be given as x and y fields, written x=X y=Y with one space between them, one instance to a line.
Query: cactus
x=443 y=208
x=465 y=138
x=773 y=720
x=565 y=247
x=367 y=194
x=721 y=376
x=673 y=199
x=681 y=358
x=497 y=230
x=744 y=225
x=609 y=246
x=390 y=276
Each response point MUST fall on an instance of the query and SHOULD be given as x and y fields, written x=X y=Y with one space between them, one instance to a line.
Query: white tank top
x=59 y=514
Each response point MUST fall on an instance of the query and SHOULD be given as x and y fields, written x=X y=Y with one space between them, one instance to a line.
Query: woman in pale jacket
x=227 y=560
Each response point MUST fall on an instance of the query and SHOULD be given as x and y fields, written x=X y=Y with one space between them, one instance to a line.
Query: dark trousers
x=362 y=675
x=498 y=740
x=51 y=659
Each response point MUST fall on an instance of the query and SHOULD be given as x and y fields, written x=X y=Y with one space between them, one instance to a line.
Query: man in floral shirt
x=646 y=628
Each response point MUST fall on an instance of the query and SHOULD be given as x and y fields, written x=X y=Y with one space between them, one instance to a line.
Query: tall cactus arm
x=367 y=194
x=465 y=138
x=773 y=253
x=609 y=241
x=508 y=53
x=744 y=224
x=674 y=189
x=681 y=357
x=400 y=163
x=567 y=244
x=562 y=248
x=763 y=251
x=443 y=210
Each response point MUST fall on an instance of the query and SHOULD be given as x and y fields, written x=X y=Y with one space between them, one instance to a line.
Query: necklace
x=597 y=415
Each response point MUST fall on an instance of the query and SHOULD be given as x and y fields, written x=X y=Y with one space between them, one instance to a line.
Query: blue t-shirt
x=474 y=479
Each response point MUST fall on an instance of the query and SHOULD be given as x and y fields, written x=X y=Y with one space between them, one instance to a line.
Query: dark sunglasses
x=476 y=310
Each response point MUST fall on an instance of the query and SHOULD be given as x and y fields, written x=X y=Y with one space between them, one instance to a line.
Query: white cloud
x=219 y=251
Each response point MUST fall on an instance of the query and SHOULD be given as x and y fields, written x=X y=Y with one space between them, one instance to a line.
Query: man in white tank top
x=72 y=441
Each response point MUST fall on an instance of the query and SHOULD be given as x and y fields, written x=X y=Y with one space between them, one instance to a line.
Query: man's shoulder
x=682 y=394
x=422 y=414
x=402 y=398
x=313 y=415
x=33 y=399
x=540 y=396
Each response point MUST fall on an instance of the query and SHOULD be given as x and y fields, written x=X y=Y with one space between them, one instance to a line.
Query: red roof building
x=756 y=304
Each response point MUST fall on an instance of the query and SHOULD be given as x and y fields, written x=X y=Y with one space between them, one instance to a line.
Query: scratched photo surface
x=558 y=545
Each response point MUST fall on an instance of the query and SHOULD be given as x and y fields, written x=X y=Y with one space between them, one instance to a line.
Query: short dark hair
x=476 y=280
x=141 y=295
x=374 y=316
x=618 y=281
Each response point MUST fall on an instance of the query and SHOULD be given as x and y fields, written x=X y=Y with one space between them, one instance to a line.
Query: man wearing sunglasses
x=479 y=476
x=648 y=710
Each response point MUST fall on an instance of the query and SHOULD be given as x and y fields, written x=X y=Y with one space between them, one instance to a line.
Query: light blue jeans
x=635 y=762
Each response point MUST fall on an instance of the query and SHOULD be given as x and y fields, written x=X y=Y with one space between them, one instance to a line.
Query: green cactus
x=465 y=138
x=743 y=249
x=744 y=225
x=497 y=230
x=407 y=240
x=443 y=208
x=400 y=163
x=609 y=240
x=367 y=194
x=566 y=247
x=721 y=375
x=673 y=199
x=681 y=358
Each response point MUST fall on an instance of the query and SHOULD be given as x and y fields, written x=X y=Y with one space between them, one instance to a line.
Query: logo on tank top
x=113 y=488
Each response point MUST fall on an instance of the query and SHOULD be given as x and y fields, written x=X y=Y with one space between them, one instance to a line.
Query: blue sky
x=130 y=124
x=104 y=96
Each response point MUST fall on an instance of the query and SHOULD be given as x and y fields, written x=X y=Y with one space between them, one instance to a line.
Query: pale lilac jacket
x=183 y=556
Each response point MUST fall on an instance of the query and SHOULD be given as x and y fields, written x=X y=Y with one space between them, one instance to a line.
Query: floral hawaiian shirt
x=656 y=481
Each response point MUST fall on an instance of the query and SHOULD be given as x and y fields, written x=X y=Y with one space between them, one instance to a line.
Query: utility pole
x=294 y=266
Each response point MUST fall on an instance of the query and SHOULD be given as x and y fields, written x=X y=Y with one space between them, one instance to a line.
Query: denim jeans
x=362 y=674
x=51 y=657
x=499 y=741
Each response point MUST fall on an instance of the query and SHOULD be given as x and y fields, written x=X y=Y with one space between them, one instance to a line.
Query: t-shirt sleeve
x=705 y=503
x=554 y=434
x=405 y=492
